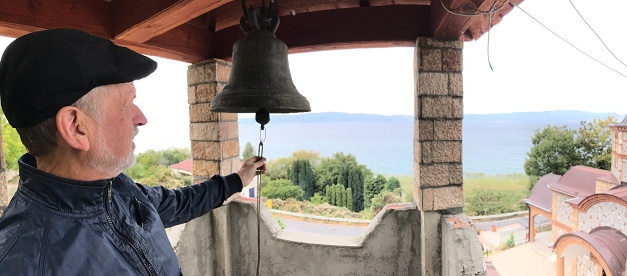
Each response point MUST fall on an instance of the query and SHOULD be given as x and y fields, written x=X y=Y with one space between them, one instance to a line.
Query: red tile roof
x=618 y=191
x=609 y=242
x=184 y=165
x=580 y=181
x=540 y=195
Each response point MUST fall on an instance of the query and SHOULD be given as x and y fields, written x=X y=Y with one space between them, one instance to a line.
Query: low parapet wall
x=224 y=242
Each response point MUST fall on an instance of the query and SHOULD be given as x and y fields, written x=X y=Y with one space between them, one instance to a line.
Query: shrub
x=317 y=199
x=510 y=242
x=382 y=199
x=283 y=189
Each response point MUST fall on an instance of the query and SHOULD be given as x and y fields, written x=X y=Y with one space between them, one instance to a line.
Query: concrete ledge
x=499 y=216
x=225 y=240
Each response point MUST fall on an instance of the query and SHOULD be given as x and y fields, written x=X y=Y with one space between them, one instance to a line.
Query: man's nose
x=139 y=119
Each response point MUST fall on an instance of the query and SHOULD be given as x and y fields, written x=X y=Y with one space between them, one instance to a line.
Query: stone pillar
x=449 y=243
x=573 y=267
x=532 y=227
x=560 y=266
x=214 y=135
x=438 y=173
x=215 y=150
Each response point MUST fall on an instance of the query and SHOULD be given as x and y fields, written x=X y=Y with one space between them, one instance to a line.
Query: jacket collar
x=60 y=193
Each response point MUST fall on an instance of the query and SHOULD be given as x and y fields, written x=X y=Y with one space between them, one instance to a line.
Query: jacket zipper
x=138 y=214
x=127 y=239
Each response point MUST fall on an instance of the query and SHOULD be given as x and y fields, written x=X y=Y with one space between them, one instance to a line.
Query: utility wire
x=492 y=12
x=584 y=21
x=625 y=76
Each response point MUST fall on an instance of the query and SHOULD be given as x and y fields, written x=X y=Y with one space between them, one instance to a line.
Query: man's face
x=117 y=126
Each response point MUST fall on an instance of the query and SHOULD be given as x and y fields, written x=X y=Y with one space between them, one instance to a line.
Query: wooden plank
x=229 y=14
x=479 y=25
x=139 y=29
x=186 y=43
x=445 y=24
x=374 y=3
x=21 y=17
x=386 y=26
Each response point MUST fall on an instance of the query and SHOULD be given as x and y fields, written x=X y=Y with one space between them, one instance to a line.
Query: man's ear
x=74 y=128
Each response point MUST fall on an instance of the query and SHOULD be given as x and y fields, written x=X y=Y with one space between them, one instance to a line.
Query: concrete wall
x=224 y=242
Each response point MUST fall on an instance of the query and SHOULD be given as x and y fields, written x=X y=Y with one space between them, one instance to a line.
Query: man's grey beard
x=107 y=163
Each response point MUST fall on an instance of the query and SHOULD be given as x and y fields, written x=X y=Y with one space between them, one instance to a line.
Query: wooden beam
x=187 y=43
x=477 y=26
x=447 y=25
x=386 y=26
x=229 y=14
x=21 y=17
x=184 y=43
x=141 y=20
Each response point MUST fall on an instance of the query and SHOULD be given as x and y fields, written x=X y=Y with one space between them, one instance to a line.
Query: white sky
x=533 y=71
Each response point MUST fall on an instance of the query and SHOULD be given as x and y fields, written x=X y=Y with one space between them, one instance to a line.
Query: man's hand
x=249 y=169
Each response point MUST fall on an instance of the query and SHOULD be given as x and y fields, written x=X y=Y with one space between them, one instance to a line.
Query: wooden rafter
x=194 y=30
x=140 y=21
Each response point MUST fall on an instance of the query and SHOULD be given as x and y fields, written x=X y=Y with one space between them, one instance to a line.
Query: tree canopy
x=283 y=189
x=302 y=175
x=248 y=151
x=12 y=145
x=557 y=149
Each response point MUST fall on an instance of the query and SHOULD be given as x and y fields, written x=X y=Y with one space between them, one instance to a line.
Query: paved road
x=322 y=228
x=523 y=220
x=344 y=230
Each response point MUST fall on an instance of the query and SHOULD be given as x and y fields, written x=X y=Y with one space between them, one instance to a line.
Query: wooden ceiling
x=194 y=30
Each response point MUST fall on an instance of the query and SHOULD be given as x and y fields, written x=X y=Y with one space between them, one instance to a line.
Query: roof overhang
x=195 y=30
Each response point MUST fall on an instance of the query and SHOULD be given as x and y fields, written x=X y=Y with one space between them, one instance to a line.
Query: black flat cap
x=42 y=72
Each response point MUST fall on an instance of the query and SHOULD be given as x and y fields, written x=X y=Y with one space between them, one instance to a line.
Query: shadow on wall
x=224 y=242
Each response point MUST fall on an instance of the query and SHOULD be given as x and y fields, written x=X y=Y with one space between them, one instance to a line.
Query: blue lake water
x=387 y=147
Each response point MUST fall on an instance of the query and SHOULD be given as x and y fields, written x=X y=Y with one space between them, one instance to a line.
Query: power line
x=547 y=28
x=606 y=47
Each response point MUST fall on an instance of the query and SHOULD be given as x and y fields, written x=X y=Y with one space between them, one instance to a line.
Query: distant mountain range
x=561 y=117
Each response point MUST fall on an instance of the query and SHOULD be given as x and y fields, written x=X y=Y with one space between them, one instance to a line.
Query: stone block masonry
x=438 y=169
x=214 y=135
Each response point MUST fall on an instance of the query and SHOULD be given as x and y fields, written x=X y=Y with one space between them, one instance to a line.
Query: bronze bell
x=260 y=75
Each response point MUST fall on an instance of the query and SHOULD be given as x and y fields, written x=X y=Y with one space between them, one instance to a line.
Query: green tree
x=356 y=184
x=151 y=167
x=295 y=170
x=248 y=151
x=349 y=198
x=339 y=195
x=554 y=150
x=302 y=175
x=282 y=189
x=306 y=179
x=279 y=168
x=382 y=199
x=333 y=169
x=393 y=184
x=331 y=195
x=373 y=188
x=594 y=140
x=12 y=145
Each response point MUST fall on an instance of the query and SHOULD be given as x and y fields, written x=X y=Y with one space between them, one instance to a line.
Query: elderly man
x=70 y=97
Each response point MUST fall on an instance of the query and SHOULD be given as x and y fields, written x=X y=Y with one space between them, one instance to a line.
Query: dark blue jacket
x=58 y=226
